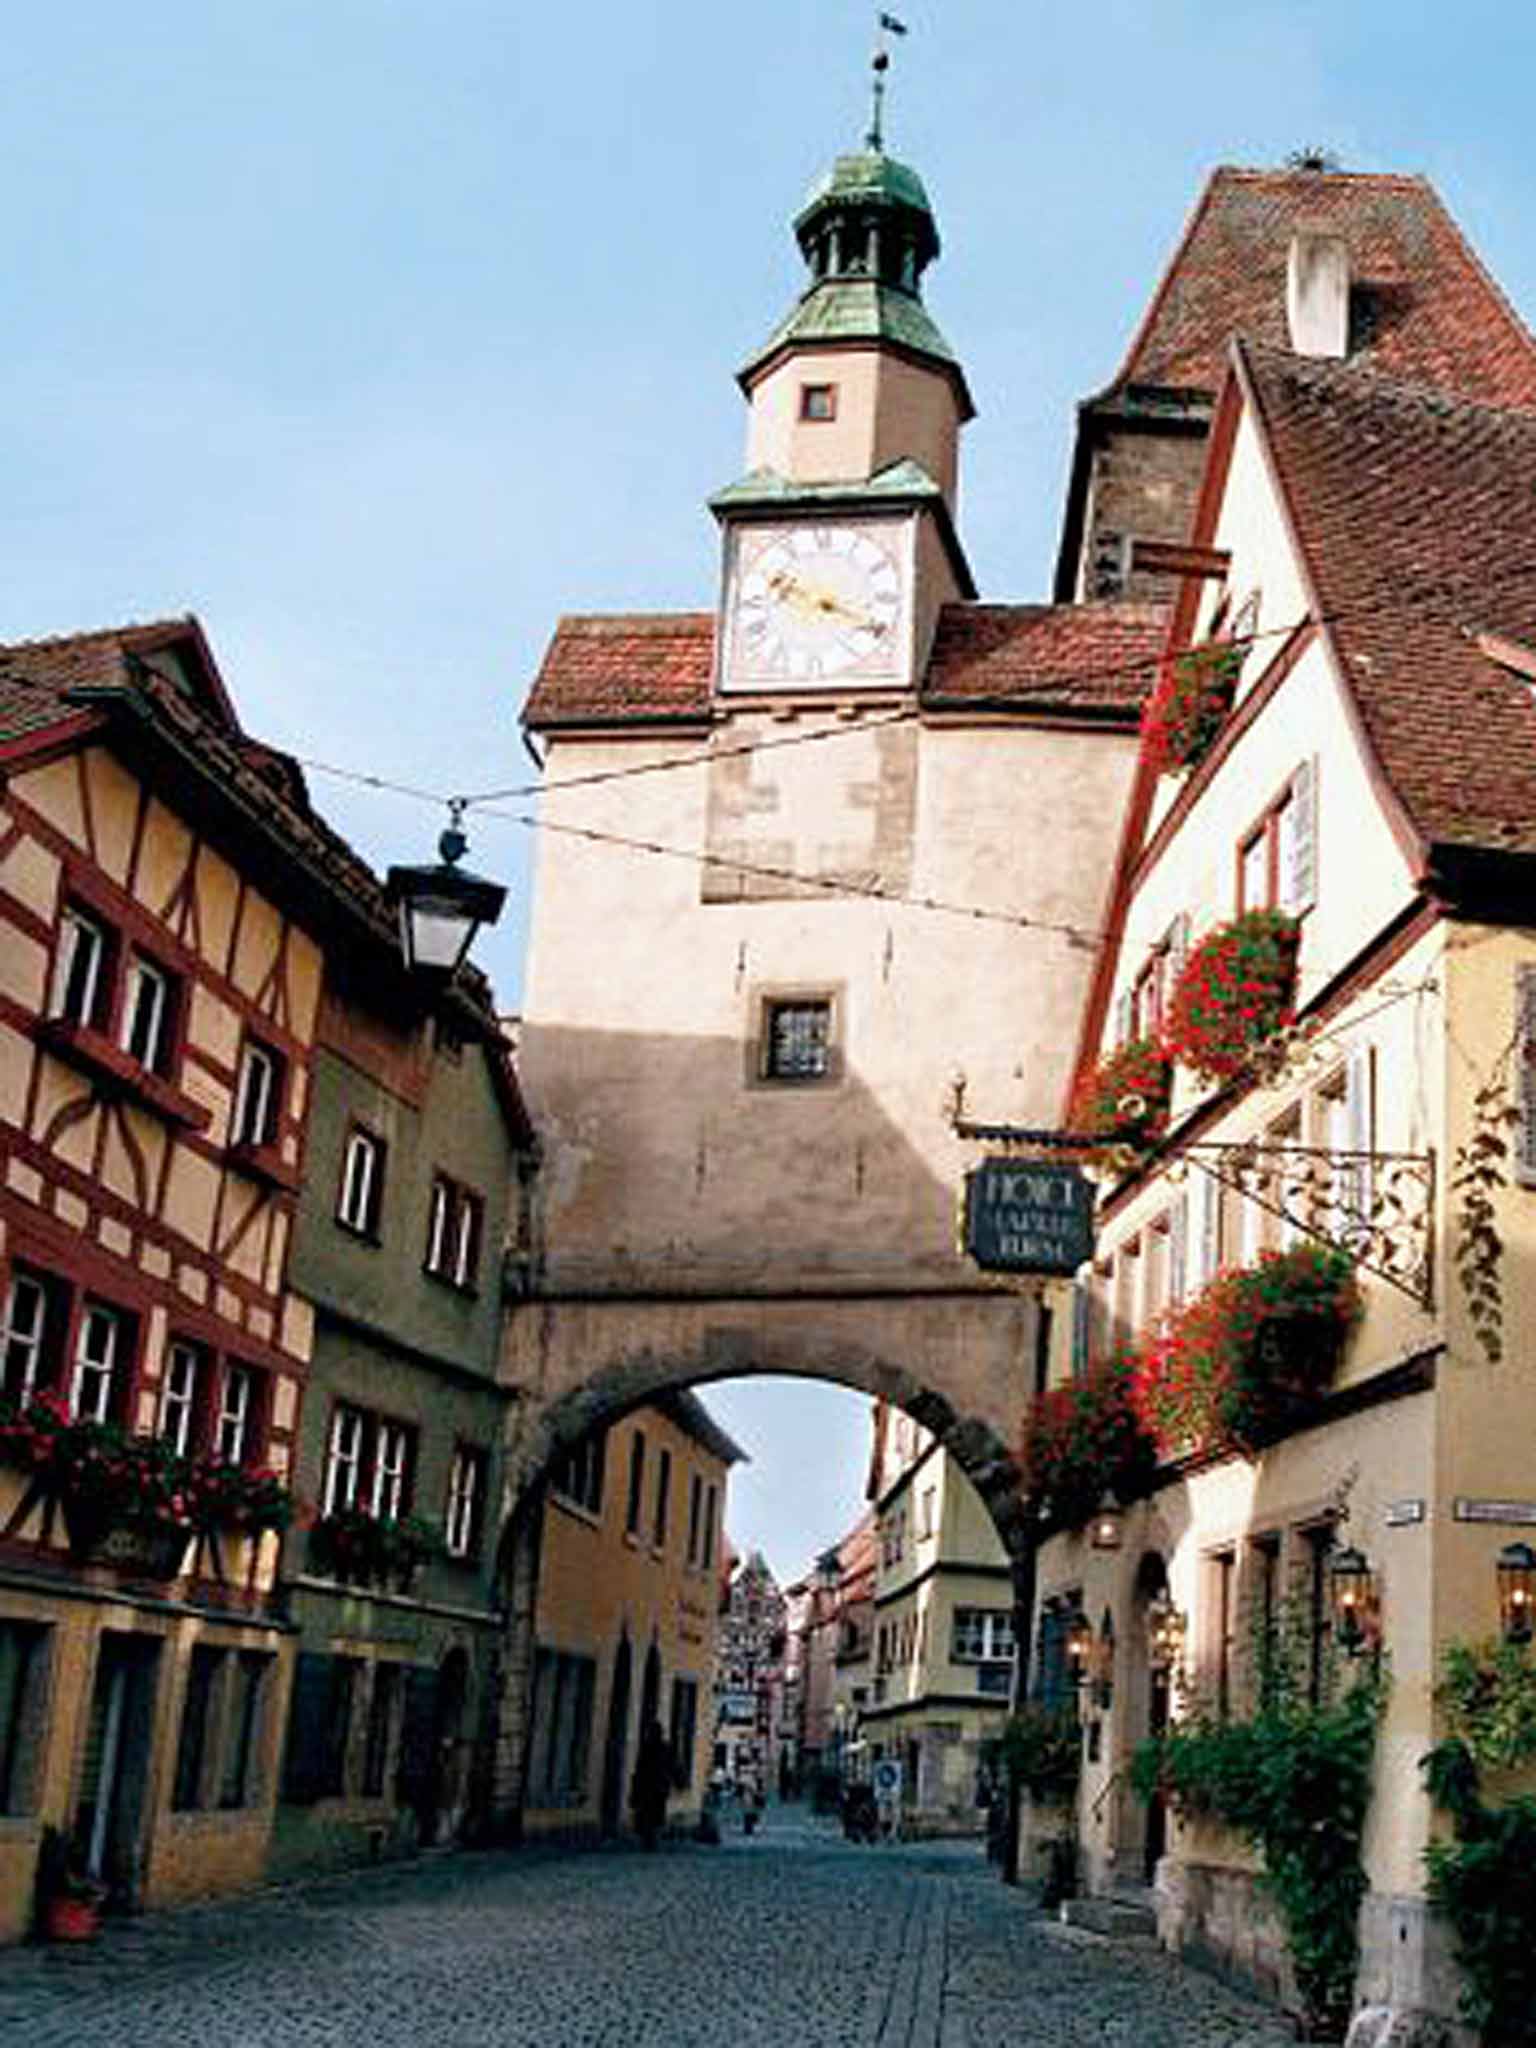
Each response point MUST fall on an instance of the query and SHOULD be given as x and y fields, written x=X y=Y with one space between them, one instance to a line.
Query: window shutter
x=1178 y=1249
x=1360 y=1120
x=308 y=1753
x=1208 y=1227
x=1525 y=1074
x=1300 y=886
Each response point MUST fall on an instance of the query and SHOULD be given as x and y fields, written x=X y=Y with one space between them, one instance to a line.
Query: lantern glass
x=1517 y=1592
x=441 y=909
x=1165 y=1634
x=1107 y=1529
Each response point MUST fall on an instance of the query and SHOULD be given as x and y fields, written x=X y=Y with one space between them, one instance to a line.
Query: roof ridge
x=1441 y=398
x=133 y=628
x=631 y=622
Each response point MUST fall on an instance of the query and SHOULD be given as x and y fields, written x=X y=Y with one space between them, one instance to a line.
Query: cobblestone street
x=792 y=1938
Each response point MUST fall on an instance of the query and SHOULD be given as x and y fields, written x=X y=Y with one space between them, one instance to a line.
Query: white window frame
x=391 y=1463
x=361 y=1175
x=98 y=1344
x=232 y=1424
x=466 y=1237
x=343 y=1460
x=149 y=994
x=178 y=1394
x=437 y=1226
x=256 y=1096
x=26 y=1336
x=465 y=1477
x=77 y=1003
x=981 y=1635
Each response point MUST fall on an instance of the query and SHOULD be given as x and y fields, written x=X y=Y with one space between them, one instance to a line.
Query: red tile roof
x=631 y=669
x=625 y=667
x=1425 y=307
x=1073 y=656
x=1417 y=516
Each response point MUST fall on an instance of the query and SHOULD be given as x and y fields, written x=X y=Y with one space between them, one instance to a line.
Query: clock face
x=811 y=604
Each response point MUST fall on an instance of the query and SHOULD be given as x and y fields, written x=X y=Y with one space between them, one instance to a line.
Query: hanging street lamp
x=1354 y=1596
x=441 y=907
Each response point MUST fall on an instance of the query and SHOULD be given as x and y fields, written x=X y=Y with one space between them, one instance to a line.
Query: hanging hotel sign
x=1028 y=1216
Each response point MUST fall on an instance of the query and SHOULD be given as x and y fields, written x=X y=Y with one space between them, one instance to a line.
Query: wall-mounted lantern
x=1355 y=1597
x=441 y=907
x=1517 y=1592
x=1107 y=1529
x=1165 y=1634
x=1079 y=1648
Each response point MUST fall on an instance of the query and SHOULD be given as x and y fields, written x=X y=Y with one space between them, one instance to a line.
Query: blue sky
x=380 y=332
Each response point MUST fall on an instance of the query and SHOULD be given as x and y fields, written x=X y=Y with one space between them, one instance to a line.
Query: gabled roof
x=1423 y=307
x=36 y=676
x=1416 y=514
x=1066 y=656
x=626 y=670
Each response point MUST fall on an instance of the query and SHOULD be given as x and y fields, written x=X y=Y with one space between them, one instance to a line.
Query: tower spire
x=879 y=64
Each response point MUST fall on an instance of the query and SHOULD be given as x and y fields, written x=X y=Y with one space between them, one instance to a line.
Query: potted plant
x=1190 y=703
x=1234 y=992
x=1123 y=1100
x=69 y=1902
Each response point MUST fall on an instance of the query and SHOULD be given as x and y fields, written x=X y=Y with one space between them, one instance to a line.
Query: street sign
x=1028 y=1216
x=885 y=1777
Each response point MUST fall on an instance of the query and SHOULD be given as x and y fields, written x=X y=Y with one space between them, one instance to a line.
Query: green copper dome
x=868 y=178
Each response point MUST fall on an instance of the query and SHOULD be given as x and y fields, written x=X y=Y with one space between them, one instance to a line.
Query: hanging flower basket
x=373 y=1550
x=1124 y=1099
x=1235 y=991
x=1084 y=1441
x=1190 y=703
x=1249 y=1358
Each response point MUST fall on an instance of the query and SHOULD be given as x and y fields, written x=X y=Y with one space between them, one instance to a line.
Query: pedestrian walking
x=651 y=1783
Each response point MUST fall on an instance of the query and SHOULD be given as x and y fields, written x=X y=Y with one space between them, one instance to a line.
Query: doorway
x=616 y=1742
x=111 y=1810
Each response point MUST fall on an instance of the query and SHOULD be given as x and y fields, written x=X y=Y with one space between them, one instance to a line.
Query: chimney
x=1317 y=293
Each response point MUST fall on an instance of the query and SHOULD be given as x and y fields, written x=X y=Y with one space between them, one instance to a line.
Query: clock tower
x=839 y=544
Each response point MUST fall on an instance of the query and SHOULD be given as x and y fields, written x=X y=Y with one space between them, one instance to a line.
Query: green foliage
x=1041 y=1749
x=1295 y=1779
x=1487 y=1693
x=1483 y=1881
x=1478 y=1171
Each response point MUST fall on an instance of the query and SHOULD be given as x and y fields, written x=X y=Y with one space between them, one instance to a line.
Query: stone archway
x=958 y=1364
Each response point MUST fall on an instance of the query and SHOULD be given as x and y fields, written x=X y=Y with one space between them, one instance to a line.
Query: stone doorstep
x=1115 y=1919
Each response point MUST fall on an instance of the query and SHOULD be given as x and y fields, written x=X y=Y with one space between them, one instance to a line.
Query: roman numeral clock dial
x=811 y=605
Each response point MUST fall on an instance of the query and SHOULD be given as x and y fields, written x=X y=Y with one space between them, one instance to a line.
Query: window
x=636 y=1483
x=930 y=1516
x=1266 y=1616
x=234 y=1426
x=391 y=1451
x=258 y=1095
x=982 y=1635
x=685 y=1728
x=23 y=1648
x=818 y=401
x=1223 y=1580
x=185 y=1366
x=695 y=1516
x=243 y=1729
x=663 y=1499
x=383 y=1717
x=196 y=1719
x=360 y=1200
x=711 y=1511
x=27 y=1333
x=454 y=1224
x=331 y=1761
x=101 y=1348
x=577 y=1475
x=149 y=1013
x=466 y=1493
x=81 y=969
x=797 y=1040
x=1276 y=859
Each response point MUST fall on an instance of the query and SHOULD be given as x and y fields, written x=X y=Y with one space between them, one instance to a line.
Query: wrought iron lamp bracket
x=1377 y=1206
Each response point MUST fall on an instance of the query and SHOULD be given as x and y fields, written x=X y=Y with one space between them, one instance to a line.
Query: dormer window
x=818 y=401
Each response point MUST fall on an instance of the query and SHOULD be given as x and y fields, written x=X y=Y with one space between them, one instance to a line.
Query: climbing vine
x=1480 y=1169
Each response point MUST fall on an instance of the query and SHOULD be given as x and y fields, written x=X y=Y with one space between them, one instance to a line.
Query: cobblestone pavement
x=793 y=1938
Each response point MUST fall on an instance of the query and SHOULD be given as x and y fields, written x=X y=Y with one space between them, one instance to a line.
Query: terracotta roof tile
x=625 y=666
x=1417 y=516
x=1423 y=306
x=1069 y=655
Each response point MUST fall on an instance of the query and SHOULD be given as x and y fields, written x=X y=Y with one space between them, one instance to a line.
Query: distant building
x=750 y=1722
x=628 y=1614
x=943 y=1626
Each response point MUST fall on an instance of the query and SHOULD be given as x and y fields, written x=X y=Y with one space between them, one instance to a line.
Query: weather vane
x=880 y=63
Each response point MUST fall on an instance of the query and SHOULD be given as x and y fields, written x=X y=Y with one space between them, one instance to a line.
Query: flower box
x=1235 y=991
x=1123 y=1100
x=1248 y=1359
x=1190 y=703
x=1084 y=1441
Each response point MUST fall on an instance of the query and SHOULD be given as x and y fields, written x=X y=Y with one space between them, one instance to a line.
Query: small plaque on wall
x=1401 y=1512
x=1520 y=1512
